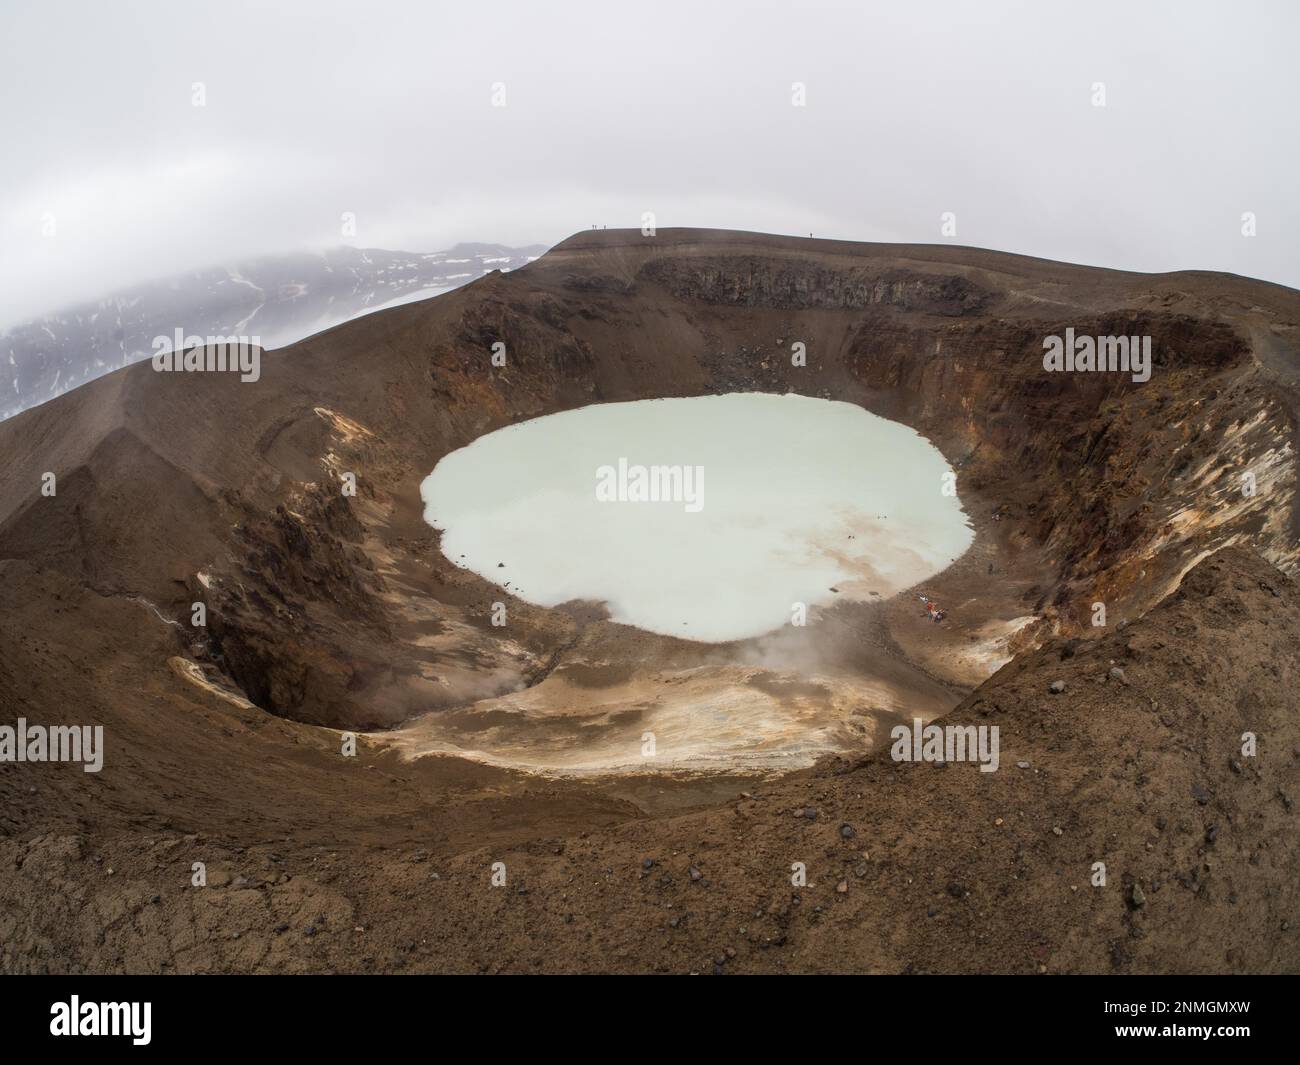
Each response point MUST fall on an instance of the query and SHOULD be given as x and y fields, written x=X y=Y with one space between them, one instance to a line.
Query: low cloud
x=386 y=112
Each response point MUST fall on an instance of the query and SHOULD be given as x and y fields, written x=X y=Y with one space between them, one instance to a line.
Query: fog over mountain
x=312 y=112
x=277 y=299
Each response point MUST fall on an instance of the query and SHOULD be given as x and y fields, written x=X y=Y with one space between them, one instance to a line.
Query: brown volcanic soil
x=327 y=612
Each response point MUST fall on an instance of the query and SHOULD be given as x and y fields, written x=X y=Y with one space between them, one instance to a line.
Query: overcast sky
x=385 y=110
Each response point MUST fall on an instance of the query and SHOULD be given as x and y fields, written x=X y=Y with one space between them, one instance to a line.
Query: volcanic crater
x=330 y=612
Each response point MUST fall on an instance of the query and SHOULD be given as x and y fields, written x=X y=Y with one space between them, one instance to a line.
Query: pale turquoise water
x=799 y=496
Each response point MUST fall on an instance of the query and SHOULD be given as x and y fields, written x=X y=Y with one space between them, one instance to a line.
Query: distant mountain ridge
x=279 y=298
